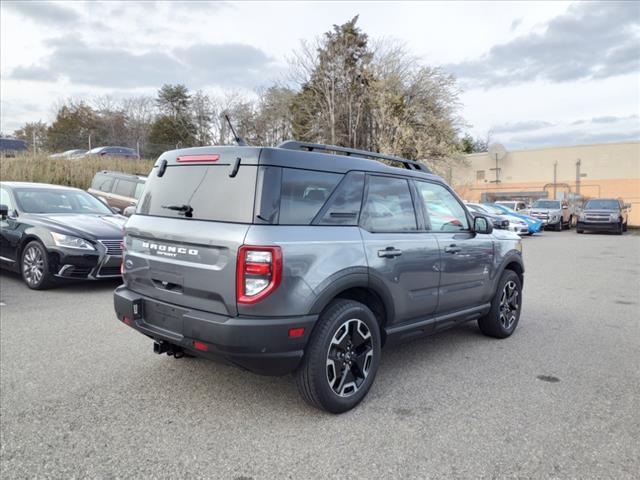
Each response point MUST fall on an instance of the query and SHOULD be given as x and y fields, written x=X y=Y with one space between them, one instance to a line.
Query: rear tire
x=503 y=317
x=559 y=226
x=34 y=266
x=341 y=358
x=620 y=228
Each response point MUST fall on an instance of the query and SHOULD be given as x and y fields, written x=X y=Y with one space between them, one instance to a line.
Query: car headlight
x=614 y=217
x=581 y=216
x=71 y=242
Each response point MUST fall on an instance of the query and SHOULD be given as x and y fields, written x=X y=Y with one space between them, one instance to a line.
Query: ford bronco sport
x=309 y=258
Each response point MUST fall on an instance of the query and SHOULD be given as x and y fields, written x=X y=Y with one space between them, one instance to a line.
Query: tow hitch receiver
x=168 y=348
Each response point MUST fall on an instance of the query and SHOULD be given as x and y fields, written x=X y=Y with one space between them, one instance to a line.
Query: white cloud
x=72 y=49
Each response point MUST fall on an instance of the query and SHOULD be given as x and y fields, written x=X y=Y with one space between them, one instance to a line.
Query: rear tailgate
x=188 y=257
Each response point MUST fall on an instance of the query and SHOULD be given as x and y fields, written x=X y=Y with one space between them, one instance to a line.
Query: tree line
x=342 y=89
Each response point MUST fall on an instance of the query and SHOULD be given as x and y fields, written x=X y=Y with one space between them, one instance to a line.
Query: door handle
x=389 y=252
x=452 y=249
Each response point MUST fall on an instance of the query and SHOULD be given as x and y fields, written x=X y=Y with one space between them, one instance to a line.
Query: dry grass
x=60 y=171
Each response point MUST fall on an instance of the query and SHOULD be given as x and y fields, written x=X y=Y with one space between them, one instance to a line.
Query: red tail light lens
x=197 y=158
x=259 y=272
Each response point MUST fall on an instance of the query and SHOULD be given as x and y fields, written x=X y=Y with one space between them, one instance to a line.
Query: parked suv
x=609 y=214
x=303 y=259
x=118 y=190
x=552 y=213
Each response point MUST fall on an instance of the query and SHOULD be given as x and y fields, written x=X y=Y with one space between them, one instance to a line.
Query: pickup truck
x=608 y=214
x=553 y=213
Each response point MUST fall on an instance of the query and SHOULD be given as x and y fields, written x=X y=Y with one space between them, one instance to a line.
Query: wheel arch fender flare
x=511 y=261
x=338 y=284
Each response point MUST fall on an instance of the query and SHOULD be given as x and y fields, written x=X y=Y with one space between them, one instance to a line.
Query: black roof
x=12 y=144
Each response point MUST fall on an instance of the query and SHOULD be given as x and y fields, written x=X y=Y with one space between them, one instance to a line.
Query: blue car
x=534 y=224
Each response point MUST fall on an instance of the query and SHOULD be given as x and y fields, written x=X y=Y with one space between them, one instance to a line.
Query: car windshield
x=601 y=204
x=32 y=200
x=492 y=209
x=95 y=150
x=510 y=205
x=546 y=204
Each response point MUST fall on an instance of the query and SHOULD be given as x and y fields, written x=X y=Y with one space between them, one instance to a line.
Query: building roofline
x=557 y=147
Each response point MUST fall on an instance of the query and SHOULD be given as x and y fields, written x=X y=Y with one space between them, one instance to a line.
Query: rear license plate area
x=163 y=316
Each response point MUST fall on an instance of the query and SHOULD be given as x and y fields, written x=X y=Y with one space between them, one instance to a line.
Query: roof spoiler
x=310 y=147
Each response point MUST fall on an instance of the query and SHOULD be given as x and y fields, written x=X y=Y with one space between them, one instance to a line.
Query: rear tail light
x=205 y=157
x=259 y=271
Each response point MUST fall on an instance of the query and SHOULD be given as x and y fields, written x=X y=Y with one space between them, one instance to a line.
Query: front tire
x=34 y=266
x=503 y=317
x=342 y=357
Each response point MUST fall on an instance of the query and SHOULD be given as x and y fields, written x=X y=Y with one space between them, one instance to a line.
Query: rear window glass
x=102 y=182
x=303 y=194
x=206 y=191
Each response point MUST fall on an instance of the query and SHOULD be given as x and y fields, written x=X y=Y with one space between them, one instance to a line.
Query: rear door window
x=124 y=188
x=388 y=207
x=303 y=194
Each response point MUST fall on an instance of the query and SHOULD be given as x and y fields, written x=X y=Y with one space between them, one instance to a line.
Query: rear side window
x=206 y=191
x=125 y=188
x=102 y=182
x=388 y=207
x=343 y=208
x=303 y=194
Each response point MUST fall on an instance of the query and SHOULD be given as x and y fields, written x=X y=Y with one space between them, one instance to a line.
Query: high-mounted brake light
x=258 y=272
x=198 y=158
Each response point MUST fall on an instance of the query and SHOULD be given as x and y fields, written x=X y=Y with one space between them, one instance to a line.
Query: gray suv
x=309 y=258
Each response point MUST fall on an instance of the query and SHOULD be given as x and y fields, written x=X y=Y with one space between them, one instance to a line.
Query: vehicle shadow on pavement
x=65 y=285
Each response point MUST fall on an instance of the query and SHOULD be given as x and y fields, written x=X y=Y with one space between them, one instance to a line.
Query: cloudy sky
x=532 y=73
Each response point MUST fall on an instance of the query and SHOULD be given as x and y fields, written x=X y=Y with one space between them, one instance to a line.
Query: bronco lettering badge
x=169 y=250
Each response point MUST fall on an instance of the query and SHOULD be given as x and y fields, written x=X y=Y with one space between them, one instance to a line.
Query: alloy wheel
x=509 y=304
x=33 y=265
x=349 y=357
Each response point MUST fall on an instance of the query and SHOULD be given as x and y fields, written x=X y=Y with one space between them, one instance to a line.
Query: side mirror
x=116 y=210
x=627 y=206
x=130 y=210
x=482 y=225
x=4 y=212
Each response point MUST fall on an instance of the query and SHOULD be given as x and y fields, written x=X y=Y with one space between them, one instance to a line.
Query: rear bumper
x=600 y=226
x=261 y=345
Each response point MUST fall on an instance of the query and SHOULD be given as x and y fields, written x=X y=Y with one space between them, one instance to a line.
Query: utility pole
x=33 y=135
x=555 y=179
x=138 y=147
x=578 y=177
x=89 y=141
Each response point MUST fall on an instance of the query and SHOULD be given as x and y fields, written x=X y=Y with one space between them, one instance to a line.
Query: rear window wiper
x=185 y=210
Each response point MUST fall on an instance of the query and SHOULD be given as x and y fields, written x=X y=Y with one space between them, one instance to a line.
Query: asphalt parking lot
x=82 y=395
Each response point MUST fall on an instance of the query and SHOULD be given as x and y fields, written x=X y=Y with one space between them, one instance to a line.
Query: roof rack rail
x=408 y=164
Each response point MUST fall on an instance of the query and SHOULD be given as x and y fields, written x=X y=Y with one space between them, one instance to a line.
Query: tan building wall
x=608 y=170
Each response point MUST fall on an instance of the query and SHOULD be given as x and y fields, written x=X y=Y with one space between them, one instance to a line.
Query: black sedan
x=51 y=232
x=499 y=221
